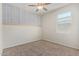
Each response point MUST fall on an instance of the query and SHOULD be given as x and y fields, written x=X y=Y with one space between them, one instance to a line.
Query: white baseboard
x=19 y=43
x=70 y=46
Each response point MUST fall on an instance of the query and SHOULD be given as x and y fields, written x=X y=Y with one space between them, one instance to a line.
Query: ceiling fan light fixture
x=40 y=7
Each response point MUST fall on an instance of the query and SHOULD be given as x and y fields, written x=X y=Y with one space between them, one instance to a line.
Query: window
x=64 y=18
x=64 y=21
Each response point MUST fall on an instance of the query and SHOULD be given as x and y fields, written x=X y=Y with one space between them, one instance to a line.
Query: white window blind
x=64 y=18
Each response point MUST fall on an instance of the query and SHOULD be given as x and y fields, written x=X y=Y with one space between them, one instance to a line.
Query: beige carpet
x=40 y=48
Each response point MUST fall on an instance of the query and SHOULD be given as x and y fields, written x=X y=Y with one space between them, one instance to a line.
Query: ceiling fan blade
x=39 y=4
x=45 y=9
x=47 y=3
x=32 y=5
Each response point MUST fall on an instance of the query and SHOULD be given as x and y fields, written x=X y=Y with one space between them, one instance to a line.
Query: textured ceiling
x=30 y=9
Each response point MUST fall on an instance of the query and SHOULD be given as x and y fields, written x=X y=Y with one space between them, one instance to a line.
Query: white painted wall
x=0 y=28
x=78 y=23
x=69 y=37
x=19 y=26
x=19 y=34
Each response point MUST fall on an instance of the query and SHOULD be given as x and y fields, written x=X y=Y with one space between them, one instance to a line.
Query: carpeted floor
x=40 y=48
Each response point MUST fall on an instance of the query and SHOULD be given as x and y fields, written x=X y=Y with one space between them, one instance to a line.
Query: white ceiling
x=30 y=9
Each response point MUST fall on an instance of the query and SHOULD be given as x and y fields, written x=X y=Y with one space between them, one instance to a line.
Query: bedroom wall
x=0 y=28
x=78 y=22
x=51 y=33
x=19 y=26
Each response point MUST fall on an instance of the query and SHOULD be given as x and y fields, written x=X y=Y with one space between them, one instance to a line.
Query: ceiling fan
x=40 y=6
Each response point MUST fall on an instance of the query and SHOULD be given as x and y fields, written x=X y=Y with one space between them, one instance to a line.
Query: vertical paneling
x=14 y=15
